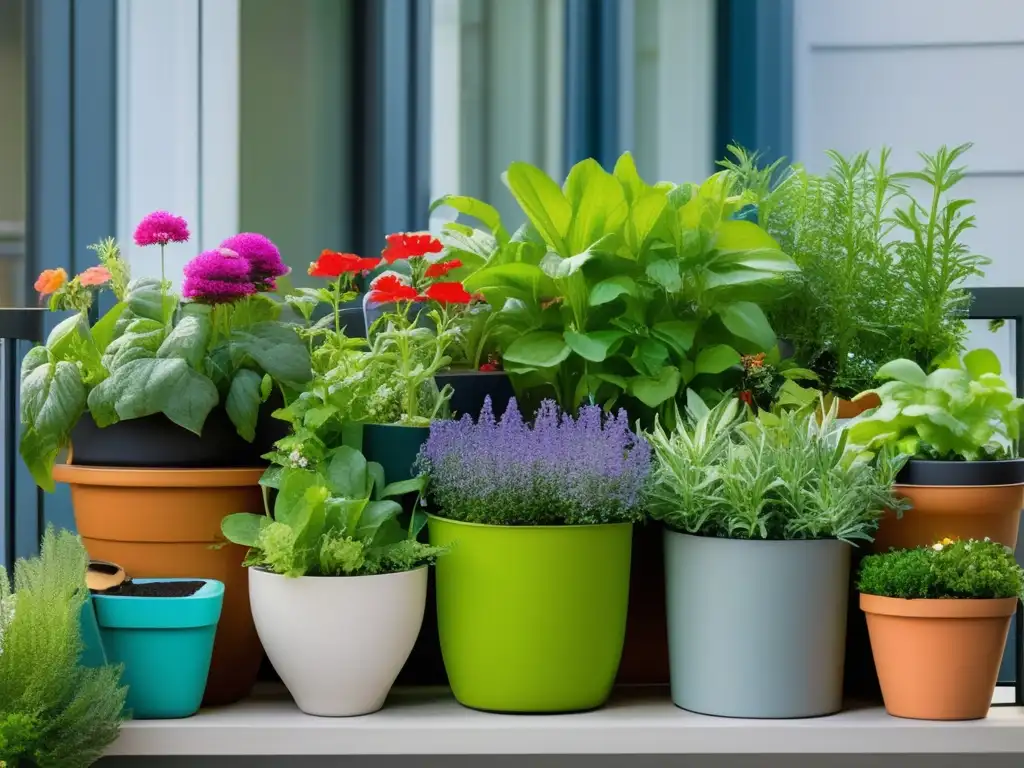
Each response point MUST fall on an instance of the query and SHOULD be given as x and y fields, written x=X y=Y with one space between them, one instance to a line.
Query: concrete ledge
x=636 y=722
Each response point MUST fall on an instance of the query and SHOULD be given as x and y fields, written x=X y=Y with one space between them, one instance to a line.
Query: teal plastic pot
x=93 y=654
x=756 y=628
x=165 y=645
x=394 y=447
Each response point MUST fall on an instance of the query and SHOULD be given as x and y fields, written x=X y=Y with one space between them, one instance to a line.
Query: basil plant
x=618 y=288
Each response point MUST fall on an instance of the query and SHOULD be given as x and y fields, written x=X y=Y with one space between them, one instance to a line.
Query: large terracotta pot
x=162 y=523
x=848 y=409
x=938 y=659
x=958 y=500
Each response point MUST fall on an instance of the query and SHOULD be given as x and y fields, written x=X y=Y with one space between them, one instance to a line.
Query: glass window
x=497 y=95
x=12 y=155
x=296 y=130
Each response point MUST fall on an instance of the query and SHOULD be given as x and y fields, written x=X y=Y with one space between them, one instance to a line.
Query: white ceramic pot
x=339 y=642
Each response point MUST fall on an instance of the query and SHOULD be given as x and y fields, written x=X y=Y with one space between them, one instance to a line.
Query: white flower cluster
x=297 y=459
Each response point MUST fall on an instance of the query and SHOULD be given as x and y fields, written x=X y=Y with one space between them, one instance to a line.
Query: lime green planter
x=532 y=619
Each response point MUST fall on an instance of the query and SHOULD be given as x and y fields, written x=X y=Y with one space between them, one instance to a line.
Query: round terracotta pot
x=848 y=409
x=163 y=523
x=937 y=659
x=955 y=499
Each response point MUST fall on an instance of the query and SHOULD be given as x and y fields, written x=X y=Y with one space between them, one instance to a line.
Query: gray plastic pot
x=756 y=628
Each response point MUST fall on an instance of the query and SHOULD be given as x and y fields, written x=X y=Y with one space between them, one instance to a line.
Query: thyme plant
x=783 y=476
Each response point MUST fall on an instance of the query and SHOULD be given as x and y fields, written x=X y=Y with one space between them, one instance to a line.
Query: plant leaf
x=346 y=473
x=654 y=391
x=276 y=349
x=611 y=288
x=595 y=345
x=243 y=402
x=906 y=371
x=486 y=214
x=543 y=203
x=746 y=320
x=665 y=272
x=188 y=340
x=243 y=528
x=53 y=398
x=678 y=334
x=538 y=349
x=981 y=361
x=716 y=358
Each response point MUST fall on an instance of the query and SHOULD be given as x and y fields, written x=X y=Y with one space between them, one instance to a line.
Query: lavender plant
x=559 y=471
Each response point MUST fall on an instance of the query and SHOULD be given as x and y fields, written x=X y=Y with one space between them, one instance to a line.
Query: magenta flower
x=263 y=256
x=161 y=228
x=217 y=277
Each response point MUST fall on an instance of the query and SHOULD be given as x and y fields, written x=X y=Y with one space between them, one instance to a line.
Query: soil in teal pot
x=162 y=631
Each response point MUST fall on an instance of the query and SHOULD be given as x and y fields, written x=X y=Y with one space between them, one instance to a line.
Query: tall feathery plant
x=54 y=713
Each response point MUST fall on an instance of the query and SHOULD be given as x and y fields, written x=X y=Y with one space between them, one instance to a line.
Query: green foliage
x=619 y=289
x=980 y=570
x=962 y=410
x=150 y=355
x=881 y=275
x=331 y=517
x=53 y=712
x=780 y=476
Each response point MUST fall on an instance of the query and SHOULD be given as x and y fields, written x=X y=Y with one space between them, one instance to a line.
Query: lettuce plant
x=331 y=517
x=965 y=570
x=557 y=471
x=151 y=353
x=963 y=410
x=785 y=476
x=618 y=288
x=53 y=711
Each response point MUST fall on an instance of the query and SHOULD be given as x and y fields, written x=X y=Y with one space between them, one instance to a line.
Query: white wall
x=913 y=75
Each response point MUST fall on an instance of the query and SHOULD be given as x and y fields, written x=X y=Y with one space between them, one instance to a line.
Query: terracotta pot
x=958 y=499
x=848 y=409
x=162 y=523
x=938 y=659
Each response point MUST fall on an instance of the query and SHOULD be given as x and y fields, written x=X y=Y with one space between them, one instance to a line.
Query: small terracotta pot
x=938 y=659
x=165 y=523
x=848 y=409
x=955 y=499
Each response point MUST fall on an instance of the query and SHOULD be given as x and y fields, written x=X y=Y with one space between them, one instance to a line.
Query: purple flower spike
x=217 y=277
x=263 y=256
x=161 y=228
x=588 y=470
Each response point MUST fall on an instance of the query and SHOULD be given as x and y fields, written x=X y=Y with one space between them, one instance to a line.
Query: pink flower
x=217 y=277
x=263 y=256
x=161 y=228
x=94 y=276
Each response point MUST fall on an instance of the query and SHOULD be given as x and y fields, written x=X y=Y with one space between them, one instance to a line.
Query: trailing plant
x=965 y=570
x=784 y=476
x=557 y=471
x=617 y=288
x=54 y=713
x=332 y=516
x=963 y=410
x=151 y=353
x=881 y=275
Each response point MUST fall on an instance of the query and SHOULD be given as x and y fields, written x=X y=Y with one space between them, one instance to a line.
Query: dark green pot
x=394 y=447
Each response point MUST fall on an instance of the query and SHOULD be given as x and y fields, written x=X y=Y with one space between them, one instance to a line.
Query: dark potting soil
x=157 y=589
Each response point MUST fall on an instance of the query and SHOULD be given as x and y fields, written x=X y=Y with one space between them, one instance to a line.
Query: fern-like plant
x=54 y=713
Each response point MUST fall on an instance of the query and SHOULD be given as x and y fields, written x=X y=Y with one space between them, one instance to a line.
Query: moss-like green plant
x=54 y=713
x=948 y=569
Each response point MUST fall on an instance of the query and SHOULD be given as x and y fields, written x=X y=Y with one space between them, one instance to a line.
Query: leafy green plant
x=331 y=517
x=881 y=275
x=962 y=410
x=784 y=476
x=616 y=288
x=54 y=713
x=966 y=570
x=151 y=354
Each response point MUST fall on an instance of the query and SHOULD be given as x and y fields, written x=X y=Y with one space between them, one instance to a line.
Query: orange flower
x=94 y=276
x=51 y=281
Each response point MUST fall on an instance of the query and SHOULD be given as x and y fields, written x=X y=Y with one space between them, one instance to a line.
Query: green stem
x=336 y=303
x=163 y=286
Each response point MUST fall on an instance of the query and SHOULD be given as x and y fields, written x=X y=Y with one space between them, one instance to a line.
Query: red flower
x=388 y=289
x=334 y=264
x=410 y=245
x=442 y=268
x=489 y=367
x=449 y=293
x=747 y=398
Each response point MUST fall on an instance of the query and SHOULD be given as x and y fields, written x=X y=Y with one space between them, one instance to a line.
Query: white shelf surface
x=637 y=721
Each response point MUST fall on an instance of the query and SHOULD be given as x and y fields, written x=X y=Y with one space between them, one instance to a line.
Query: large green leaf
x=644 y=216
x=978 y=362
x=144 y=296
x=611 y=288
x=243 y=528
x=626 y=174
x=903 y=370
x=595 y=346
x=61 y=339
x=678 y=334
x=243 y=402
x=148 y=386
x=739 y=235
x=746 y=320
x=665 y=272
x=716 y=358
x=292 y=493
x=53 y=398
x=275 y=348
x=346 y=473
x=519 y=280
x=654 y=391
x=486 y=214
x=104 y=330
x=543 y=203
x=598 y=204
x=188 y=340
x=538 y=349
x=142 y=338
x=770 y=260
x=649 y=357
x=378 y=523
x=557 y=268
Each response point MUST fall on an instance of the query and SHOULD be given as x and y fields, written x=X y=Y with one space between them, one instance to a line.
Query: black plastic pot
x=471 y=388
x=155 y=441
x=946 y=473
